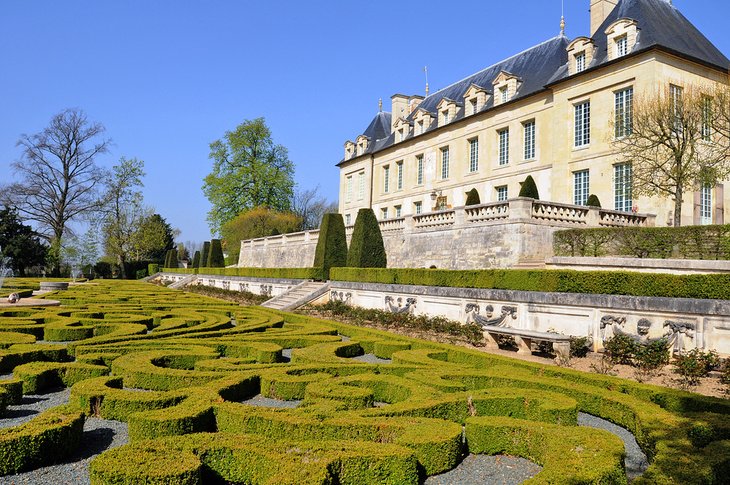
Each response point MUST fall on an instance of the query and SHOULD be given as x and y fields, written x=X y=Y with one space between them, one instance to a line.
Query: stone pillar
x=594 y=217
x=459 y=217
x=520 y=209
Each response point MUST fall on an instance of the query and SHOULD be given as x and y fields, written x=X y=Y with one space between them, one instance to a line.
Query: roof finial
x=380 y=105
x=425 y=69
x=562 y=17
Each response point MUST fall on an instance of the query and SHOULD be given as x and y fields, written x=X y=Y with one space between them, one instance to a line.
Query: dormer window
x=447 y=110
x=420 y=127
x=580 y=54
x=349 y=150
x=621 y=36
x=475 y=98
x=401 y=128
x=505 y=87
x=445 y=116
x=423 y=120
x=362 y=144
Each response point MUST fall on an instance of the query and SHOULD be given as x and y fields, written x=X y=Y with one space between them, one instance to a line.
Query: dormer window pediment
x=506 y=86
x=402 y=129
x=362 y=143
x=621 y=37
x=580 y=54
x=422 y=121
x=474 y=99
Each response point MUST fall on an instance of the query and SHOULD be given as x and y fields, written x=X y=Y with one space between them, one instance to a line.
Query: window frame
x=623 y=199
x=706 y=204
x=419 y=169
x=473 y=155
x=418 y=207
x=623 y=106
x=386 y=179
x=622 y=45
x=399 y=175
x=529 y=129
x=581 y=186
x=580 y=61
x=445 y=162
x=502 y=193
x=582 y=124
x=503 y=146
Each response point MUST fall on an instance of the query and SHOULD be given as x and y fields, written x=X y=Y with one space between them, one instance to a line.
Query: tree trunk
x=678 y=207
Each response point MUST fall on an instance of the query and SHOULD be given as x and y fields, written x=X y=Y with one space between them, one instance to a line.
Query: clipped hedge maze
x=180 y=368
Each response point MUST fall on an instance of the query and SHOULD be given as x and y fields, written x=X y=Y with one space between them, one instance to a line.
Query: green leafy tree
x=20 y=243
x=215 y=257
x=366 y=247
x=472 y=197
x=124 y=212
x=528 y=188
x=257 y=222
x=331 y=249
x=204 y=254
x=59 y=179
x=249 y=170
x=153 y=239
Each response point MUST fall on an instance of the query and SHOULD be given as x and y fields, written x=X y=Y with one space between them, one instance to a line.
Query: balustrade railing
x=564 y=213
x=487 y=212
x=390 y=225
x=435 y=219
x=611 y=218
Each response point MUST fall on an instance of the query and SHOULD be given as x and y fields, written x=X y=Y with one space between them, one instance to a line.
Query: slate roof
x=660 y=25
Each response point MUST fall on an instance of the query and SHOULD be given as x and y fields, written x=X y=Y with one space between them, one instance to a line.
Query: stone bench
x=523 y=339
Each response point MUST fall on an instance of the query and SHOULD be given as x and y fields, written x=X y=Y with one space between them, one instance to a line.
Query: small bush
x=140 y=273
x=694 y=365
x=650 y=358
x=472 y=197
x=593 y=201
x=366 y=247
x=529 y=188
x=621 y=349
x=579 y=346
x=153 y=268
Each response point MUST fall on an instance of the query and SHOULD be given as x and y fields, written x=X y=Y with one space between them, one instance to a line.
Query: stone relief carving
x=266 y=290
x=680 y=335
x=399 y=308
x=341 y=296
x=611 y=325
x=486 y=320
x=243 y=287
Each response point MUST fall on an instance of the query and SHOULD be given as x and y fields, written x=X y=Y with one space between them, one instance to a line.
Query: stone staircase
x=185 y=281
x=300 y=295
x=527 y=263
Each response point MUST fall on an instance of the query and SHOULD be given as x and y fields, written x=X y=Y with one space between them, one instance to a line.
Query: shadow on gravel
x=18 y=413
x=94 y=442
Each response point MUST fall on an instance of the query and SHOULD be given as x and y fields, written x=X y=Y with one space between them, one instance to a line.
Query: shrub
x=332 y=245
x=215 y=257
x=140 y=273
x=528 y=188
x=621 y=349
x=196 y=260
x=694 y=365
x=204 y=254
x=472 y=197
x=366 y=247
x=171 y=259
x=650 y=358
x=153 y=268
x=579 y=346
x=593 y=201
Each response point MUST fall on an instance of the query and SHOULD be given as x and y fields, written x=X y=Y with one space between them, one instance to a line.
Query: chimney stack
x=600 y=9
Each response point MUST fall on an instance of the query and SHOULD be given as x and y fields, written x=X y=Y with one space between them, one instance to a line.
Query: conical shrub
x=196 y=259
x=529 y=188
x=215 y=257
x=331 y=249
x=204 y=254
x=472 y=197
x=366 y=247
x=593 y=201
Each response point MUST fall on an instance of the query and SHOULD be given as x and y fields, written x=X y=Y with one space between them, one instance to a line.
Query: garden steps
x=183 y=282
x=297 y=296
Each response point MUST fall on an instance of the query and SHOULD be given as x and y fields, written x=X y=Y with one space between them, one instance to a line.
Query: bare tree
x=671 y=143
x=310 y=206
x=59 y=178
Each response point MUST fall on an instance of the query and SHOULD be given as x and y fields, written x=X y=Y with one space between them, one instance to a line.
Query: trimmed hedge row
x=703 y=286
x=687 y=242
x=277 y=273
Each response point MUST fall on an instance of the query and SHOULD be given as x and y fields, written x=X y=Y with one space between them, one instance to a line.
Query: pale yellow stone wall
x=556 y=157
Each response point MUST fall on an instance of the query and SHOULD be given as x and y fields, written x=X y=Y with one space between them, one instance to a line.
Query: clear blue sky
x=168 y=77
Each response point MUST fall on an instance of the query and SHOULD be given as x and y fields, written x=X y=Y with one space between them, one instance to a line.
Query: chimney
x=399 y=108
x=600 y=9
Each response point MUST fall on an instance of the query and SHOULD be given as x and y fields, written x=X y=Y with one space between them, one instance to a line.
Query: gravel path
x=99 y=435
x=371 y=359
x=487 y=470
x=31 y=406
x=636 y=462
x=266 y=402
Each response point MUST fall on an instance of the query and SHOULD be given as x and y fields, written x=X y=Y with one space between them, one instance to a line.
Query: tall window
x=445 y=163
x=348 y=219
x=419 y=170
x=473 y=103
x=624 y=103
x=583 y=124
x=503 y=146
x=397 y=211
x=706 y=118
x=675 y=96
x=445 y=115
x=503 y=94
x=386 y=179
x=622 y=46
x=580 y=62
x=399 y=169
x=623 y=200
x=361 y=185
x=418 y=207
x=348 y=188
x=473 y=155
x=384 y=213
x=529 y=129
x=580 y=187
x=706 y=205
x=501 y=193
